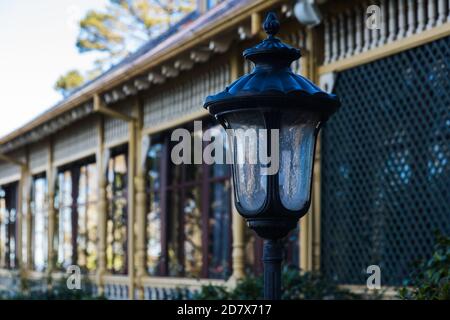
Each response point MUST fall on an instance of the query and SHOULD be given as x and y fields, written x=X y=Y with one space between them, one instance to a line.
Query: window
x=116 y=228
x=154 y=225
x=87 y=218
x=63 y=204
x=75 y=202
x=188 y=220
x=8 y=226
x=39 y=223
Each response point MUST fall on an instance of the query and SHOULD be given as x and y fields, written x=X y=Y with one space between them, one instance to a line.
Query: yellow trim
x=12 y=178
x=38 y=170
x=100 y=107
x=388 y=49
x=75 y=157
x=116 y=142
x=176 y=122
x=132 y=134
x=175 y=282
x=9 y=159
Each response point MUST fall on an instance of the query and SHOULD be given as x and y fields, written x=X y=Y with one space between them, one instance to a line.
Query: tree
x=69 y=81
x=121 y=28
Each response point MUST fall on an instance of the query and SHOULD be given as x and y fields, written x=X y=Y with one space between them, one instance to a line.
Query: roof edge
x=143 y=63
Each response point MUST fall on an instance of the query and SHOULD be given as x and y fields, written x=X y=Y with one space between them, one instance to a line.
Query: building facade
x=90 y=182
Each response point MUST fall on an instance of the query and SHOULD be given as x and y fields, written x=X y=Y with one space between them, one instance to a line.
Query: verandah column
x=51 y=180
x=132 y=134
x=102 y=207
x=310 y=223
x=142 y=145
x=26 y=189
x=238 y=224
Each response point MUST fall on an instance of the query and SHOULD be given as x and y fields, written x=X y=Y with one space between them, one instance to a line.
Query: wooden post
x=51 y=179
x=316 y=211
x=28 y=219
x=238 y=224
x=141 y=202
x=20 y=215
x=308 y=227
x=102 y=207
x=131 y=204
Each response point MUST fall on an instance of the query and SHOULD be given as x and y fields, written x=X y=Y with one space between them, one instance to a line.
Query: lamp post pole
x=272 y=257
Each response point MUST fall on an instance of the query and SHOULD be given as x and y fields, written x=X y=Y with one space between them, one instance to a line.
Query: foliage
x=56 y=290
x=431 y=279
x=296 y=286
x=69 y=81
x=119 y=29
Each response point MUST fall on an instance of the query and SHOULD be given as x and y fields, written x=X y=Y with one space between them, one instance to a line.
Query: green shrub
x=51 y=290
x=431 y=279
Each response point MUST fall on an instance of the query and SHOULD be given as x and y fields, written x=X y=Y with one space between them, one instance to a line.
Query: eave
x=194 y=35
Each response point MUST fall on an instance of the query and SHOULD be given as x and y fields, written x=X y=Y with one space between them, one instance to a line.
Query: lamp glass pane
x=251 y=183
x=297 y=140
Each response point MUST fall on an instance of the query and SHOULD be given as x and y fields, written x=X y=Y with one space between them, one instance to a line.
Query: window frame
x=167 y=186
x=74 y=170
x=11 y=202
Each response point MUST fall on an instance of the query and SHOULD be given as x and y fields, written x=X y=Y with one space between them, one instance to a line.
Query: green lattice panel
x=385 y=165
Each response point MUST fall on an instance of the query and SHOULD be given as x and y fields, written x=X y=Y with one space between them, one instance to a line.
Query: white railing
x=116 y=287
x=346 y=33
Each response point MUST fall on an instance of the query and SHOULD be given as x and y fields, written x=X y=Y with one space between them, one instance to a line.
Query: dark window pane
x=219 y=231
x=8 y=226
x=173 y=234
x=291 y=255
x=193 y=233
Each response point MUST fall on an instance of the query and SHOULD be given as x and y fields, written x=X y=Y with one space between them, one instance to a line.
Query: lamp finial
x=271 y=25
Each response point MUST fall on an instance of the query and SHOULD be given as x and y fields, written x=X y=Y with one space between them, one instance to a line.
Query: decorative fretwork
x=49 y=127
x=386 y=165
x=11 y=171
x=76 y=141
x=185 y=98
x=117 y=129
x=346 y=33
x=38 y=156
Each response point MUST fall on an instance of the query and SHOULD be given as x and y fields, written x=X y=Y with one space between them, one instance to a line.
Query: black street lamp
x=272 y=97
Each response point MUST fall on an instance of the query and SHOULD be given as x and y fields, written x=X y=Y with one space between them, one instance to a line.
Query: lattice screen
x=386 y=165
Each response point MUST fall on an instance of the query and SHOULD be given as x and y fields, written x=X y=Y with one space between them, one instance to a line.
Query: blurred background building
x=90 y=181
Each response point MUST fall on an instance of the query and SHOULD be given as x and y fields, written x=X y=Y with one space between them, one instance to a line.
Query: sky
x=37 y=45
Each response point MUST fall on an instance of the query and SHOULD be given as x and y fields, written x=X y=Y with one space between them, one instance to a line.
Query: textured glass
x=251 y=184
x=296 y=159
